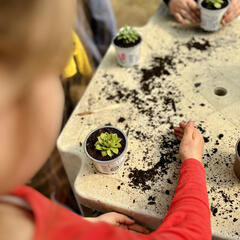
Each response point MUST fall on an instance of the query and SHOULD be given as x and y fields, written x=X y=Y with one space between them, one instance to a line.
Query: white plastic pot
x=237 y=160
x=129 y=56
x=211 y=19
x=110 y=166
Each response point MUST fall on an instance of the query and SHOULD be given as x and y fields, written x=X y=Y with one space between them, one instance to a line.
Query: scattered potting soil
x=96 y=154
x=145 y=179
x=197 y=84
x=220 y=136
x=214 y=211
x=151 y=200
x=158 y=99
x=200 y=45
x=122 y=44
x=211 y=7
x=159 y=68
x=121 y=119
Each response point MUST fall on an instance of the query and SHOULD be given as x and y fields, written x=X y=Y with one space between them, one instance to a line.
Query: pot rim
x=236 y=149
x=116 y=46
x=214 y=10
x=108 y=161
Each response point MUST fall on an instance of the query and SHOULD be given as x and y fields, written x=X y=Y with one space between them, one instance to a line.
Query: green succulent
x=215 y=3
x=108 y=144
x=127 y=34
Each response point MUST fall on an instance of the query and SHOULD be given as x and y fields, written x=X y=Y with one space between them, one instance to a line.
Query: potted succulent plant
x=237 y=160
x=127 y=44
x=211 y=12
x=106 y=147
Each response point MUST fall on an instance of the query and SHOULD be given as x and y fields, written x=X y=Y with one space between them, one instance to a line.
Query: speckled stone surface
x=180 y=72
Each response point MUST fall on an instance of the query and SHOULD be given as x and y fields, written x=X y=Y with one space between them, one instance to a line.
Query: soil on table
x=205 y=5
x=122 y=44
x=96 y=154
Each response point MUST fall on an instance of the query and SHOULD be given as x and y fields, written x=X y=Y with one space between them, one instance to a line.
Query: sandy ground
x=134 y=12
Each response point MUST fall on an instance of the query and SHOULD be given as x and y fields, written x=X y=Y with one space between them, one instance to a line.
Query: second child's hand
x=192 y=142
x=120 y=220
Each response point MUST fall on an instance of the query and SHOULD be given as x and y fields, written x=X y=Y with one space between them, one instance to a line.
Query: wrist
x=91 y=219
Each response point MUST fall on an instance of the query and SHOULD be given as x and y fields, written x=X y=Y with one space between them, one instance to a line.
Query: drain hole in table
x=220 y=91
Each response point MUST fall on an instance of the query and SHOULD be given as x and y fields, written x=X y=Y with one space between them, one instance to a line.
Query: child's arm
x=189 y=214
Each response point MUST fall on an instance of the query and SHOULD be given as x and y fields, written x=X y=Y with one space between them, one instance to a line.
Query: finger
x=179 y=18
x=122 y=219
x=123 y=226
x=188 y=130
x=178 y=134
x=188 y=15
x=229 y=17
x=179 y=138
x=138 y=228
x=195 y=10
x=182 y=125
x=178 y=130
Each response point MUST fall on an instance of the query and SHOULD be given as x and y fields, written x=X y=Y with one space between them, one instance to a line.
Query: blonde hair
x=35 y=36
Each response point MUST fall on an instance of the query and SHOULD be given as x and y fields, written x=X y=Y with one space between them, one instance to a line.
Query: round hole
x=219 y=91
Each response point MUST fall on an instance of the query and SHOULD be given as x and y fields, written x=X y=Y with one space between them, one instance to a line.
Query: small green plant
x=215 y=3
x=127 y=34
x=108 y=144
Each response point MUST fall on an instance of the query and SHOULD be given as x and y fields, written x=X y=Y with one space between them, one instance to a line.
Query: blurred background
x=134 y=12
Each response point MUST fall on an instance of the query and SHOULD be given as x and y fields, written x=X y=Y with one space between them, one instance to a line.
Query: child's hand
x=121 y=221
x=191 y=145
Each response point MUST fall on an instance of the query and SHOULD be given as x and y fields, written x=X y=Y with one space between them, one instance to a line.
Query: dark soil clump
x=202 y=46
x=93 y=152
x=122 y=44
x=144 y=179
x=158 y=69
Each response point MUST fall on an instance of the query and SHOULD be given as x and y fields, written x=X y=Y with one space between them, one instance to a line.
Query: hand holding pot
x=191 y=145
x=185 y=10
x=120 y=220
x=232 y=12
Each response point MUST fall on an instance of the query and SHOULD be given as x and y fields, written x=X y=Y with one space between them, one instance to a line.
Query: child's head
x=35 y=43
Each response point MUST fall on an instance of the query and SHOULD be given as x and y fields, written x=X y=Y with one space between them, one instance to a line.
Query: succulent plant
x=127 y=34
x=108 y=144
x=215 y=3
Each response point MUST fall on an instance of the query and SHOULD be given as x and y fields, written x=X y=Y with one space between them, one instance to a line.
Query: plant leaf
x=115 y=150
x=104 y=153
x=109 y=152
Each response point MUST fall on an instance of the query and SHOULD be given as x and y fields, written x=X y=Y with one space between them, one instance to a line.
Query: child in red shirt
x=35 y=42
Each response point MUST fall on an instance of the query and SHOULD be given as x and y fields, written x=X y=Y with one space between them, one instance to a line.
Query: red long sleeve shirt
x=188 y=216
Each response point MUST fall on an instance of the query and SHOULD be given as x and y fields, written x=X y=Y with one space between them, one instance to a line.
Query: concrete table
x=184 y=73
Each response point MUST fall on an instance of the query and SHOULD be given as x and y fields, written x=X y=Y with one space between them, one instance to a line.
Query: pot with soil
x=237 y=160
x=212 y=12
x=106 y=146
x=127 y=44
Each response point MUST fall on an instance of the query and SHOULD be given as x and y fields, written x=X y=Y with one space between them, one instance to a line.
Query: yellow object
x=78 y=61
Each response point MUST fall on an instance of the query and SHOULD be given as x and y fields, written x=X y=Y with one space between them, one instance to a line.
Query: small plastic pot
x=211 y=19
x=109 y=166
x=236 y=166
x=128 y=56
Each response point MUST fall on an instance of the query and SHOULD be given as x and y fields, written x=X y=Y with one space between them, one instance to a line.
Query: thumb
x=188 y=130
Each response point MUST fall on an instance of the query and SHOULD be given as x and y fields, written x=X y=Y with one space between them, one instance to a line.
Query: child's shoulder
x=15 y=222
